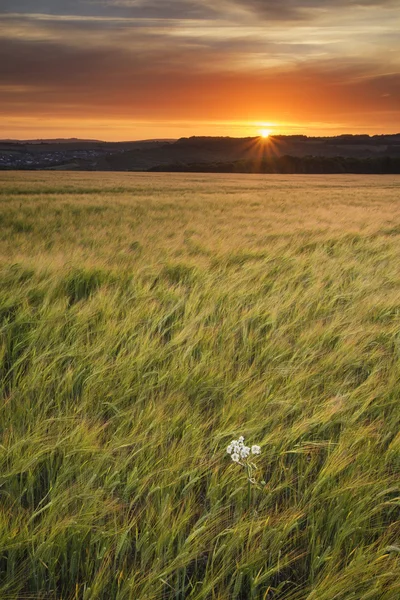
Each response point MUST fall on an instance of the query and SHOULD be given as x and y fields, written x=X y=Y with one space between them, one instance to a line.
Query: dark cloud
x=277 y=10
x=201 y=8
x=165 y=9
x=188 y=9
x=159 y=9
x=43 y=6
x=304 y=9
x=57 y=79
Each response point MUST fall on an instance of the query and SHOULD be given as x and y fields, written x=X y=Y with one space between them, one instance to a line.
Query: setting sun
x=264 y=133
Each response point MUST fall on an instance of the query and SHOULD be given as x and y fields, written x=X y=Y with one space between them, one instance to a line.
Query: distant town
x=27 y=160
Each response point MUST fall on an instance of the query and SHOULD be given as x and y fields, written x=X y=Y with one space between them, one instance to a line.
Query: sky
x=151 y=69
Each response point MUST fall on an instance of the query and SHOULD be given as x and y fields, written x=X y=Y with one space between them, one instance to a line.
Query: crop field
x=146 y=321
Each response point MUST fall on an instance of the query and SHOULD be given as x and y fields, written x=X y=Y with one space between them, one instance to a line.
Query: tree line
x=292 y=164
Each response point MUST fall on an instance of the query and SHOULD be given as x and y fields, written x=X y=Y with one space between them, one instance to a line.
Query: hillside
x=176 y=155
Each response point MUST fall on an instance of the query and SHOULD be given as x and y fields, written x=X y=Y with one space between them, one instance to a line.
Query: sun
x=264 y=133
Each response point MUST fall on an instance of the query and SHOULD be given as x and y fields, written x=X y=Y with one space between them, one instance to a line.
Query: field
x=148 y=320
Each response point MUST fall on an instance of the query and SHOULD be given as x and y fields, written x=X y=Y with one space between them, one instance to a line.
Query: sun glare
x=264 y=133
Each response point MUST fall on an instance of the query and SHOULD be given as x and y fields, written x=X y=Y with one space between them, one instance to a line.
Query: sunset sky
x=138 y=69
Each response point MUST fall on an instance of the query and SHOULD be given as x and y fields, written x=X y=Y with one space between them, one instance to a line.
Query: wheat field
x=148 y=320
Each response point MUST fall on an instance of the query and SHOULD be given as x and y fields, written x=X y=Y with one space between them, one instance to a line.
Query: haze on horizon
x=135 y=69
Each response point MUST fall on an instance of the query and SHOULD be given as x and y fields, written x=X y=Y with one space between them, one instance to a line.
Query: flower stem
x=248 y=486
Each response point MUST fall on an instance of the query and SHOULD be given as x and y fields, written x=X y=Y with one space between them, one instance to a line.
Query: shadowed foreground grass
x=148 y=320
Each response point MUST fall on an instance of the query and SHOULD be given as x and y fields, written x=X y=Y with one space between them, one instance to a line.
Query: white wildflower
x=240 y=454
x=244 y=452
x=240 y=451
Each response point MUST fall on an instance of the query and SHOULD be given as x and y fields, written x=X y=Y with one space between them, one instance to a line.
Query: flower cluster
x=239 y=451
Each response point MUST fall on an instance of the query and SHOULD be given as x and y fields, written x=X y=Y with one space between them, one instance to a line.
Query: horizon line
x=173 y=139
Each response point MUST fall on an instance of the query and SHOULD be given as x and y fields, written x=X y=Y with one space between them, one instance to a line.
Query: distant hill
x=211 y=150
x=79 y=140
x=201 y=153
x=49 y=141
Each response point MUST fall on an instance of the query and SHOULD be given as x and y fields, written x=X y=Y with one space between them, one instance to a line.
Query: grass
x=147 y=320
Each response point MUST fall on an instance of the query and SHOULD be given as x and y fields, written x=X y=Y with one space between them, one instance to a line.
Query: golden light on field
x=175 y=300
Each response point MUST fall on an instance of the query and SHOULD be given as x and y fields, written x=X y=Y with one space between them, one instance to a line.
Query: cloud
x=225 y=10
x=304 y=9
x=340 y=36
x=270 y=10
x=159 y=9
x=51 y=78
x=185 y=59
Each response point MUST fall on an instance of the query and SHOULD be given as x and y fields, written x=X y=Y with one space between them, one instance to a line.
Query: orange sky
x=138 y=69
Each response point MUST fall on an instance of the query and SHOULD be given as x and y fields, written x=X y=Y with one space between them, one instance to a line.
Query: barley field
x=146 y=321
